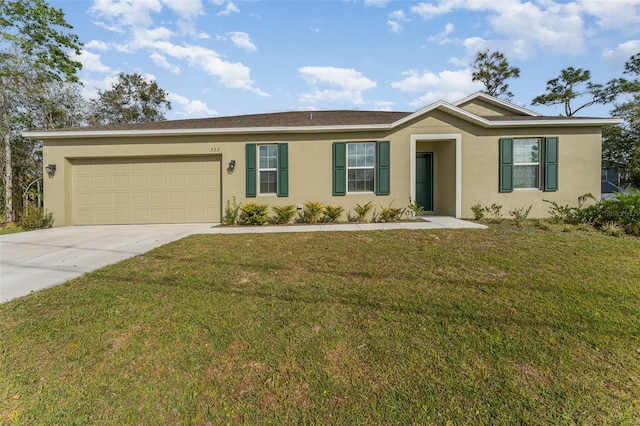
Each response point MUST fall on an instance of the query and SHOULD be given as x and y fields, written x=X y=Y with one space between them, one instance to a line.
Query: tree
x=34 y=51
x=621 y=143
x=492 y=69
x=574 y=83
x=132 y=99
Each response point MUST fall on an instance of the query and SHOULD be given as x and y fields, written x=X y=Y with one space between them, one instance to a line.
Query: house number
x=215 y=150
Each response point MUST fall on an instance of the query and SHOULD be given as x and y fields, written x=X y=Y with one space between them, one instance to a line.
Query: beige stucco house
x=446 y=157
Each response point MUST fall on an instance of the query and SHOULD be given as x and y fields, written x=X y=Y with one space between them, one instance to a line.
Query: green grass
x=531 y=325
x=12 y=230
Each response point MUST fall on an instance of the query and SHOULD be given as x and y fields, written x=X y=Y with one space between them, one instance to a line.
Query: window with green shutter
x=361 y=167
x=267 y=170
x=528 y=163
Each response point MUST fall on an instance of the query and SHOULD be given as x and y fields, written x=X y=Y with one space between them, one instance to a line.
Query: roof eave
x=78 y=134
x=451 y=109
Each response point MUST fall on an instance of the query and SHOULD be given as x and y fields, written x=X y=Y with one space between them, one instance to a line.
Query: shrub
x=479 y=211
x=254 y=214
x=390 y=214
x=520 y=214
x=612 y=229
x=332 y=214
x=311 y=212
x=283 y=214
x=363 y=211
x=231 y=212
x=35 y=218
x=622 y=210
x=414 y=210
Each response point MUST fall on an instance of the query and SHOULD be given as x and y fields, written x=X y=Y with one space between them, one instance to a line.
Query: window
x=361 y=161
x=528 y=163
x=268 y=169
x=361 y=167
x=268 y=173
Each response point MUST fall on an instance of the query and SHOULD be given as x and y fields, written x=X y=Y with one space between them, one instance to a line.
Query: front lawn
x=501 y=326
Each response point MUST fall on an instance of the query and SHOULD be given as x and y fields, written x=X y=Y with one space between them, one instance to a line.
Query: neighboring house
x=446 y=157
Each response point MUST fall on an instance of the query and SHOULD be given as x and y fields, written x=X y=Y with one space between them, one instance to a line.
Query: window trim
x=372 y=167
x=260 y=169
x=538 y=163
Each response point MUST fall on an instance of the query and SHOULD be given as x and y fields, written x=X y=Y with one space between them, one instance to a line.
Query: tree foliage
x=35 y=46
x=621 y=143
x=492 y=69
x=575 y=83
x=132 y=99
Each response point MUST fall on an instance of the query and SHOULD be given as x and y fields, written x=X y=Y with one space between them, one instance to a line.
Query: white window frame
x=372 y=167
x=267 y=169
x=538 y=163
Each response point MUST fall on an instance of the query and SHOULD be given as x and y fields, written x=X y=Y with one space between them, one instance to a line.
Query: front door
x=424 y=180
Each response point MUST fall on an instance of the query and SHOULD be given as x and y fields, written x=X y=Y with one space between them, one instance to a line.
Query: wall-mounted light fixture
x=232 y=165
x=51 y=170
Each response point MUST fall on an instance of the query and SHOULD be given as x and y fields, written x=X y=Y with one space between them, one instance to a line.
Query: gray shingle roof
x=278 y=119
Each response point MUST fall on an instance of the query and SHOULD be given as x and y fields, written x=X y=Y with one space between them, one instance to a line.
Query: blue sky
x=230 y=57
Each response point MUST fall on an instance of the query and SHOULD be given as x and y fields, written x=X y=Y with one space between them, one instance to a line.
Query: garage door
x=146 y=190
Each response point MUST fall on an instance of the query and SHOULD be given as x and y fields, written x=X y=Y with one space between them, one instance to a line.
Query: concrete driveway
x=31 y=261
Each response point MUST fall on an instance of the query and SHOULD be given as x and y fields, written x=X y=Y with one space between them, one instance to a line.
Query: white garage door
x=146 y=190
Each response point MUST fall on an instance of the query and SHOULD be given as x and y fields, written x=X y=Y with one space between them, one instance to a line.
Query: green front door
x=424 y=180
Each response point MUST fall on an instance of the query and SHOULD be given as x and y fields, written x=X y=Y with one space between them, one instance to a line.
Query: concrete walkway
x=428 y=222
x=31 y=261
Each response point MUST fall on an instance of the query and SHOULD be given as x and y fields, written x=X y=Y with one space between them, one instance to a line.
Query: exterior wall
x=310 y=165
x=578 y=168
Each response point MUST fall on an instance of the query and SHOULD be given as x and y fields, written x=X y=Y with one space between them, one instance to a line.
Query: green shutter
x=250 y=159
x=506 y=165
x=551 y=164
x=383 y=168
x=283 y=170
x=339 y=168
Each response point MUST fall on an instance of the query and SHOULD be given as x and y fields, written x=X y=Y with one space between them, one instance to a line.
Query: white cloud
x=242 y=40
x=383 y=105
x=376 y=3
x=91 y=86
x=620 y=15
x=233 y=75
x=445 y=85
x=162 y=62
x=395 y=21
x=96 y=44
x=349 y=82
x=547 y=26
x=229 y=9
x=191 y=108
x=443 y=37
x=345 y=78
x=621 y=54
x=128 y=12
x=187 y=9
x=135 y=16
x=91 y=62
x=330 y=95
